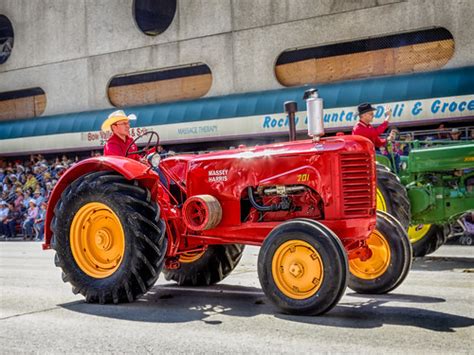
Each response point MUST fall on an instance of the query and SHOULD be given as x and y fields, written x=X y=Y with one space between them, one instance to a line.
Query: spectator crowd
x=25 y=187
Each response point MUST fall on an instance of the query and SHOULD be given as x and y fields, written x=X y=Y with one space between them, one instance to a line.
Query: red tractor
x=309 y=204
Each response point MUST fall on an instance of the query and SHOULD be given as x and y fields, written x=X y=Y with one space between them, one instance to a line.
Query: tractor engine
x=280 y=203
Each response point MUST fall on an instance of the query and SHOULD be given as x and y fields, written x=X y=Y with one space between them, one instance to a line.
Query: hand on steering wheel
x=148 y=146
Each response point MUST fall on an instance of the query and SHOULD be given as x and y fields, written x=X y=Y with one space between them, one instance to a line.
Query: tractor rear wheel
x=109 y=240
x=390 y=261
x=426 y=238
x=206 y=268
x=302 y=267
x=392 y=196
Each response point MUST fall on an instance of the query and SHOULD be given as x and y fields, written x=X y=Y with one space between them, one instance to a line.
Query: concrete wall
x=72 y=48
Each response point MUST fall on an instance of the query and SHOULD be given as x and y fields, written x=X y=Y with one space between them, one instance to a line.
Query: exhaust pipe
x=314 y=111
x=290 y=108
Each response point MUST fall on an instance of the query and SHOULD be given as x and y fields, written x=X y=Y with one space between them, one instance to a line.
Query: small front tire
x=426 y=238
x=390 y=261
x=302 y=267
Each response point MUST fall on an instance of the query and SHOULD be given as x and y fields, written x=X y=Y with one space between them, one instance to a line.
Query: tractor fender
x=129 y=168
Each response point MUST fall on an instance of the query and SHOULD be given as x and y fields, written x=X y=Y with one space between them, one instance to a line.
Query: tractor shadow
x=171 y=304
x=437 y=263
x=373 y=311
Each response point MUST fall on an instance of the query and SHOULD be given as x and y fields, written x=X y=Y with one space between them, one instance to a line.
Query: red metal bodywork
x=337 y=174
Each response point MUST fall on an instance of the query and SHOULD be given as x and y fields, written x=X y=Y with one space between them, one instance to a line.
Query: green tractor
x=439 y=187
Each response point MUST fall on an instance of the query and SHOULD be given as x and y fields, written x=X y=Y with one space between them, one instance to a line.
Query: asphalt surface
x=431 y=312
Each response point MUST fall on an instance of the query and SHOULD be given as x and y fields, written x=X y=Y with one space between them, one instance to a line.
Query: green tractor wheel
x=392 y=196
x=426 y=238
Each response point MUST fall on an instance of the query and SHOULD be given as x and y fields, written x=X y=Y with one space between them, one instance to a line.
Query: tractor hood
x=181 y=164
x=444 y=158
x=227 y=174
x=278 y=149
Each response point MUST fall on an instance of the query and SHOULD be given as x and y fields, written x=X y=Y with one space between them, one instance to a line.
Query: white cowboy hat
x=115 y=117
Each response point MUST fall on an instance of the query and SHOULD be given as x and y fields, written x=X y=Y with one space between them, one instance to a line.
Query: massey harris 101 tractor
x=309 y=204
x=439 y=182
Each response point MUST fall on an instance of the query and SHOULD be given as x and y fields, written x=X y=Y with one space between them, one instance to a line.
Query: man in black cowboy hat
x=364 y=127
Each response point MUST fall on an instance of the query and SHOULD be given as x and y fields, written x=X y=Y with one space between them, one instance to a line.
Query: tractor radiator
x=357 y=179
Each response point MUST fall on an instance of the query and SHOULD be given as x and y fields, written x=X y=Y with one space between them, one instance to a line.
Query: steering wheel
x=148 y=146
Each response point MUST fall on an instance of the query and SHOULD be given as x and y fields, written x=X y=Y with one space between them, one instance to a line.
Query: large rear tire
x=208 y=268
x=109 y=240
x=426 y=238
x=302 y=267
x=392 y=196
x=390 y=261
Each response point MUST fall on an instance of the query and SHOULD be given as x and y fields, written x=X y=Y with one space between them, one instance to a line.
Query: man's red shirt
x=116 y=146
x=370 y=132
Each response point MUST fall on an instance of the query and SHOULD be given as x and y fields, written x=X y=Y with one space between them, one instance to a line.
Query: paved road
x=431 y=312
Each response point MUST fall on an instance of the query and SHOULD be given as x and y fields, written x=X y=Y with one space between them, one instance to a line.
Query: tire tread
x=146 y=230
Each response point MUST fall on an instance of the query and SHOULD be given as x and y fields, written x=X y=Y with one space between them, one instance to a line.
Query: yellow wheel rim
x=97 y=240
x=190 y=257
x=297 y=269
x=377 y=264
x=417 y=232
x=381 y=205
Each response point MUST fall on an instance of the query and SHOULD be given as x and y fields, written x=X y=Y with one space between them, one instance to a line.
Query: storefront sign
x=413 y=112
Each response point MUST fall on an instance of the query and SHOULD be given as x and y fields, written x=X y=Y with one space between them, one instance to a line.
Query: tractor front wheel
x=206 y=268
x=389 y=262
x=302 y=267
x=426 y=238
x=109 y=240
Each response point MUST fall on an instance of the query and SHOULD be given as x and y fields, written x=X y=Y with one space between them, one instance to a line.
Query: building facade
x=64 y=57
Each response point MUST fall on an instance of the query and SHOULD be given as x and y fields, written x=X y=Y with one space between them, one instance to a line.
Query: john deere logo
x=469 y=158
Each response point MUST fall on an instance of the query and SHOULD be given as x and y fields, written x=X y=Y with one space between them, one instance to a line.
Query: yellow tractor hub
x=97 y=240
x=379 y=261
x=381 y=205
x=417 y=232
x=297 y=269
x=190 y=257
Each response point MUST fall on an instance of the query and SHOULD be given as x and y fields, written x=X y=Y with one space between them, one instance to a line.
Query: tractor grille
x=357 y=186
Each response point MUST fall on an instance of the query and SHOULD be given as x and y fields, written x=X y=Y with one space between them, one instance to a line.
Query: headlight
x=154 y=159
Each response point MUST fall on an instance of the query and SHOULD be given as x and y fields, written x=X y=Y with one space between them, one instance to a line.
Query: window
x=6 y=38
x=22 y=103
x=401 y=53
x=181 y=83
x=154 y=16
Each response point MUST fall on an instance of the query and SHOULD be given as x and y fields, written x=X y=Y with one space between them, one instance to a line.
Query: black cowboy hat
x=364 y=108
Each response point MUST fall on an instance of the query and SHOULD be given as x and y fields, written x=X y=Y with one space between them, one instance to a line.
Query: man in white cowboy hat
x=119 y=123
